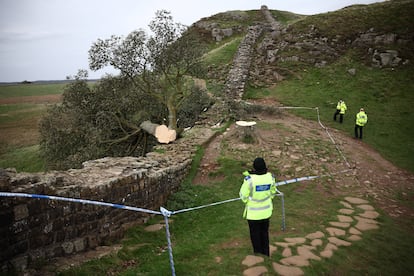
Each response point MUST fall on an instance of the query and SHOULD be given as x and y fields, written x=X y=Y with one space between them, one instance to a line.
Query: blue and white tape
x=83 y=201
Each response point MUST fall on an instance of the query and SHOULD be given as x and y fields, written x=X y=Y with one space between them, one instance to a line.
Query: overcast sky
x=50 y=39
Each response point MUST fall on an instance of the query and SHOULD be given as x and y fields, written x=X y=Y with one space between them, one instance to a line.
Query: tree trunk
x=172 y=115
x=163 y=134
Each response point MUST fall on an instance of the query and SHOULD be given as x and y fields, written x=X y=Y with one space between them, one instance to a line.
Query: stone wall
x=34 y=230
x=239 y=73
x=275 y=26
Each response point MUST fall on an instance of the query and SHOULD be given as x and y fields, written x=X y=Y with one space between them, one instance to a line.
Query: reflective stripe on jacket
x=361 y=118
x=257 y=192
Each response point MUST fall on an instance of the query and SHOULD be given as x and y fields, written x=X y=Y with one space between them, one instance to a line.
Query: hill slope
x=361 y=53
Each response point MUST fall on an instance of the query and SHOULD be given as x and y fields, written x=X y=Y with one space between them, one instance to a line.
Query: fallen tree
x=163 y=134
x=152 y=98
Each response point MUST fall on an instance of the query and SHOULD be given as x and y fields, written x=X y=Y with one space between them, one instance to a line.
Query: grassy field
x=199 y=237
x=21 y=108
x=220 y=231
x=385 y=94
x=21 y=90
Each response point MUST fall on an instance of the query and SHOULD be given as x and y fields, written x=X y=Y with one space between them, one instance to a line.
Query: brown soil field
x=45 y=99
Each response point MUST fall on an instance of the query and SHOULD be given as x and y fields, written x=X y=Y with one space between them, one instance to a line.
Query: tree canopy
x=155 y=85
x=159 y=65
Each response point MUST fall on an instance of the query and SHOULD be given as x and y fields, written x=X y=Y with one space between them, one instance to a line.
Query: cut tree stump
x=163 y=134
x=246 y=130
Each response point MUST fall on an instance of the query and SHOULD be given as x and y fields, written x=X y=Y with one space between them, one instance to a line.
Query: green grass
x=385 y=251
x=201 y=236
x=20 y=90
x=224 y=54
x=384 y=93
x=18 y=125
x=13 y=113
x=236 y=18
x=25 y=159
x=387 y=17
x=286 y=17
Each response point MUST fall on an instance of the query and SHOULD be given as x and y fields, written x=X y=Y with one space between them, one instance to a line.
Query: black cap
x=259 y=165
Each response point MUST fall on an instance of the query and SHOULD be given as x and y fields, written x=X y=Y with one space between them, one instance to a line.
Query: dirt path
x=299 y=147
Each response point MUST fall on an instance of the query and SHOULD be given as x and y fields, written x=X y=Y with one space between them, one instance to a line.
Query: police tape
x=332 y=139
x=166 y=213
x=213 y=204
x=324 y=127
x=163 y=211
x=83 y=201
x=295 y=107
x=311 y=177
x=284 y=182
x=320 y=123
x=204 y=206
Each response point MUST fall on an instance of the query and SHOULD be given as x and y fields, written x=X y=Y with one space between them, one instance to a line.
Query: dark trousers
x=358 y=131
x=259 y=235
x=341 y=116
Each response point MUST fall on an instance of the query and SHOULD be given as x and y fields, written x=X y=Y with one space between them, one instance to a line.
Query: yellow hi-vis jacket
x=341 y=106
x=257 y=192
x=361 y=118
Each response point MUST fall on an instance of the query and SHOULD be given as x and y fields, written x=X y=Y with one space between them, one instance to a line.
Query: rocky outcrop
x=282 y=45
x=387 y=58
x=218 y=32
x=379 y=47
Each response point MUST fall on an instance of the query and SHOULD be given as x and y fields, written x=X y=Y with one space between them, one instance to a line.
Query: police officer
x=257 y=191
x=340 y=109
x=361 y=120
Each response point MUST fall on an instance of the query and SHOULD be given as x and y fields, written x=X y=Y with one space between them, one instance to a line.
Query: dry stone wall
x=40 y=229
x=239 y=73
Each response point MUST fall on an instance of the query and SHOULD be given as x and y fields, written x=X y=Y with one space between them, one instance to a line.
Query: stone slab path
x=356 y=216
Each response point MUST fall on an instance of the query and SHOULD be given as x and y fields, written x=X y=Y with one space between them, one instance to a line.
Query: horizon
x=49 y=81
